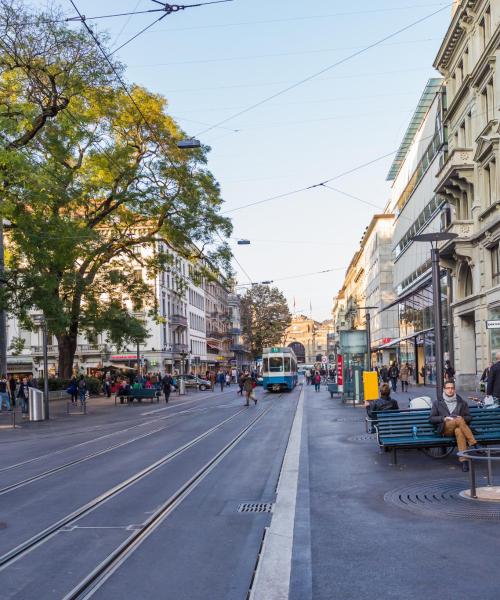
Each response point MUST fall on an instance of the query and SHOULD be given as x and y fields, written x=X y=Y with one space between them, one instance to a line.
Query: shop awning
x=408 y=294
x=390 y=344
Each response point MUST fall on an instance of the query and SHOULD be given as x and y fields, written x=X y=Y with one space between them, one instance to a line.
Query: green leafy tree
x=265 y=317
x=98 y=198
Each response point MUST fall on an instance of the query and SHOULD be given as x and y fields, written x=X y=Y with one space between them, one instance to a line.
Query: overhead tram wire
x=324 y=70
x=269 y=281
x=310 y=187
x=168 y=10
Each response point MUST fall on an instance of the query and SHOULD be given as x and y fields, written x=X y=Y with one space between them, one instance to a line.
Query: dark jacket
x=380 y=405
x=493 y=387
x=439 y=411
x=384 y=374
x=393 y=372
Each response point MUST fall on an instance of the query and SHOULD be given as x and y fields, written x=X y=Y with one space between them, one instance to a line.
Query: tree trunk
x=67 y=348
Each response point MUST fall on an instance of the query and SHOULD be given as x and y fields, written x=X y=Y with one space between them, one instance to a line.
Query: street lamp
x=433 y=239
x=188 y=144
x=243 y=242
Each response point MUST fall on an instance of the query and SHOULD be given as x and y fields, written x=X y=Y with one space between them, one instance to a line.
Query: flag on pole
x=311 y=307
x=294 y=304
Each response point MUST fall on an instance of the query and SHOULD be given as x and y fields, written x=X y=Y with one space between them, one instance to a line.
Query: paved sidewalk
x=368 y=544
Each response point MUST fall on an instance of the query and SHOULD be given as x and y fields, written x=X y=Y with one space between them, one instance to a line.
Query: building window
x=495 y=265
x=489 y=179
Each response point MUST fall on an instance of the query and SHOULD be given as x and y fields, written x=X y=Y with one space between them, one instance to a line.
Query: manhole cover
x=442 y=499
x=255 y=507
x=362 y=438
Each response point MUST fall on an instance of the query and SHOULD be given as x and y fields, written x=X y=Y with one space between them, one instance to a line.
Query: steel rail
x=112 y=433
x=95 y=454
x=41 y=537
x=93 y=581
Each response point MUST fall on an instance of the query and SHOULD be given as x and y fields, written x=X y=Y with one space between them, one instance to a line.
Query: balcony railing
x=80 y=349
x=178 y=321
x=180 y=348
x=238 y=348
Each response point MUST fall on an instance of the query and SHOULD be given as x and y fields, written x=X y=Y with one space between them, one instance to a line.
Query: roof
x=431 y=89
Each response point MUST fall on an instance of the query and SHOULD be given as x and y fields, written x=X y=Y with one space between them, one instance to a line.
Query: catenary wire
x=324 y=70
x=302 y=18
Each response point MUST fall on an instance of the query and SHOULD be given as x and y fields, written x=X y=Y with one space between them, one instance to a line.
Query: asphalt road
x=146 y=497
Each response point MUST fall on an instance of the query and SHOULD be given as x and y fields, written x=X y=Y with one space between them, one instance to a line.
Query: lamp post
x=434 y=238
x=3 y=315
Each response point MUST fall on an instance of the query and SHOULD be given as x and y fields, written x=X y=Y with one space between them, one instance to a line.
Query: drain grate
x=367 y=437
x=442 y=499
x=255 y=507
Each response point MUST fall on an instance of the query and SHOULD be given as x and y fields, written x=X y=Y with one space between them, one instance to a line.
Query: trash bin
x=36 y=405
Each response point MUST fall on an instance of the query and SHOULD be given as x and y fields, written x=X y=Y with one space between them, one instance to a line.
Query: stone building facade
x=469 y=181
x=308 y=338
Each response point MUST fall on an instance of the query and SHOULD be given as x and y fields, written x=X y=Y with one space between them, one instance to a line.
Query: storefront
x=416 y=344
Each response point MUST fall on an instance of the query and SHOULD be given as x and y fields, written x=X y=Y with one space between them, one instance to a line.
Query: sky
x=214 y=61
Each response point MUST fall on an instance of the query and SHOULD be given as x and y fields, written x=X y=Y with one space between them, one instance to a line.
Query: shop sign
x=493 y=324
x=386 y=340
x=340 y=373
x=124 y=357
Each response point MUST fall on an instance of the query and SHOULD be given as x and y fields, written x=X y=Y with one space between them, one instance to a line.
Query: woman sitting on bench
x=385 y=402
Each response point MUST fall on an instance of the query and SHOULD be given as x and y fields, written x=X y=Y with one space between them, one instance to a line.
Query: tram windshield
x=275 y=364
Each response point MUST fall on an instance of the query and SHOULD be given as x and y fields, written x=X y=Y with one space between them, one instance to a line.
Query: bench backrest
x=400 y=423
x=143 y=393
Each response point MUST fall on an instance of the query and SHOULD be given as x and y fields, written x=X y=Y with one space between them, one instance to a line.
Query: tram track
x=43 y=536
x=97 y=453
x=110 y=434
x=97 y=577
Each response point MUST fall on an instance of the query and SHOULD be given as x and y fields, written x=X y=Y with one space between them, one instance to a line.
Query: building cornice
x=456 y=31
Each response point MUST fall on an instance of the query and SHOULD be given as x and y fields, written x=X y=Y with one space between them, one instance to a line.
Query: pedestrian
x=484 y=378
x=452 y=416
x=23 y=395
x=82 y=390
x=73 y=390
x=107 y=385
x=317 y=381
x=385 y=402
x=12 y=390
x=241 y=381
x=4 y=393
x=449 y=372
x=248 y=386
x=308 y=376
x=404 y=376
x=221 y=379
x=393 y=375
x=493 y=387
x=384 y=374
x=228 y=379
x=167 y=382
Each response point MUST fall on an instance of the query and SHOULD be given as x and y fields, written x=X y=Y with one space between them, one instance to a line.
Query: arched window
x=465 y=283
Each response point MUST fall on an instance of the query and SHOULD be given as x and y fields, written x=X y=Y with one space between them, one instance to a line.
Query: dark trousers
x=394 y=382
x=317 y=387
x=167 y=394
x=404 y=385
x=221 y=386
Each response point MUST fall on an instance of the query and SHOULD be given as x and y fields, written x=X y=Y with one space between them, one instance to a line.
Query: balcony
x=38 y=350
x=456 y=172
x=180 y=348
x=178 y=321
x=238 y=348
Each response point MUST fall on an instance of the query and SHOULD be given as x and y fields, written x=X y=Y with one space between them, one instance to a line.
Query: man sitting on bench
x=451 y=415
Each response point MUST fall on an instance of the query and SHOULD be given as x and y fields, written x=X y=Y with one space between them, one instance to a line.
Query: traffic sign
x=492 y=324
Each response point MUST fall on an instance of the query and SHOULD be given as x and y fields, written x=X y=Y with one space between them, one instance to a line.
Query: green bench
x=140 y=394
x=394 y=429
